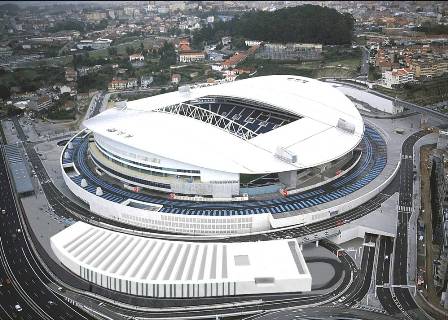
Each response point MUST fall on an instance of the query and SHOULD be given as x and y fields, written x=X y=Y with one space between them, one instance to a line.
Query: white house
x=136 y=57
x=397 y=76
x=145 y=81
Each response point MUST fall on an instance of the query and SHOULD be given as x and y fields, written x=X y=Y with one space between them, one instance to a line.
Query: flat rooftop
x=19 y=172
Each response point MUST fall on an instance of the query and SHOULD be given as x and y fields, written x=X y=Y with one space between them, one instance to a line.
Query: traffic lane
x=364 y=277
x=25 y=273
x=9 y=298
x=386 y=300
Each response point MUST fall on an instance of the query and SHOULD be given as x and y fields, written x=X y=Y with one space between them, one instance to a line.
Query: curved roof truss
x=210 y=117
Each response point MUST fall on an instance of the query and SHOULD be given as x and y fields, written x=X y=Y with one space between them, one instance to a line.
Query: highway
x=24 y=282
x=365 y=274
x=399 y=300
x=319 y=313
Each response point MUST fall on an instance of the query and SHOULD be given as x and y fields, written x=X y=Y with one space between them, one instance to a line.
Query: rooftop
x=147 y=260
x=316 y=137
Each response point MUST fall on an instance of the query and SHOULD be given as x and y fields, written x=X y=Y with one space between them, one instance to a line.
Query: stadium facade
x=210 y=141
x=202 y=160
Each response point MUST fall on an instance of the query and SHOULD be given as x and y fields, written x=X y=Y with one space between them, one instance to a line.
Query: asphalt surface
x=24 y=282
x=364 y=72
x=356 y=292
x=399 y=300
x=320 y=313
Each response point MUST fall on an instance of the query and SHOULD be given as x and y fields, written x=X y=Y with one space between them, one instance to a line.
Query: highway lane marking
x=33 y=305
x=26 y=242
x=48 y=287
x=6 y=312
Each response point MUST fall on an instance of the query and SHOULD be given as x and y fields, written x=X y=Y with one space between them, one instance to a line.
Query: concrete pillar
x=288 y=178
x=99 y=191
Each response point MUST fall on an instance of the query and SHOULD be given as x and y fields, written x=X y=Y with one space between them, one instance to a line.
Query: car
x=51 y=303
x=3 y=211
x=18 y=307
x=60 y=289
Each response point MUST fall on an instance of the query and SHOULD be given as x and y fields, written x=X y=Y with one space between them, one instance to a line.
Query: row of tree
x=306 y=24
x=430 y=28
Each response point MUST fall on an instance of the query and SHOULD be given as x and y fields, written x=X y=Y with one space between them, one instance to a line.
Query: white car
x=18 y=307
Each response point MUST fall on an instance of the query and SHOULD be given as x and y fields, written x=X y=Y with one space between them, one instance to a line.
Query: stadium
x=241 y=157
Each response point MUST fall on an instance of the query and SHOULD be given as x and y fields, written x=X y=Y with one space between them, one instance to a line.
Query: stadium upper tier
x=253 y=126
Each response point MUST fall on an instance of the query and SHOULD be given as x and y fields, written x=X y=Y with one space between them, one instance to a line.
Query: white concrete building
x=176 y=269
x=136 y=57
x=191 y=56
x=397 y=76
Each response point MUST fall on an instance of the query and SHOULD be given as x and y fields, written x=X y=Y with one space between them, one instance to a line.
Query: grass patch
x=337 y=62
x=61 y=115
x=422 y=93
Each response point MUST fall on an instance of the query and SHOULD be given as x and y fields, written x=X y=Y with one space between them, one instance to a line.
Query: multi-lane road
x=394 y=294
x=24 y=281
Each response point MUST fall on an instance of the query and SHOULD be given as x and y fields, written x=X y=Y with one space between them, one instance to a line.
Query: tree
x=129 y=50
x=5 y=93
x=112 y=51
x=167 y=55
x=307 y=23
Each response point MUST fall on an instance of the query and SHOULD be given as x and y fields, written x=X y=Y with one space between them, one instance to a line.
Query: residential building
x=145 y=81
x=95 y=16
x=132 y=83
x=234 y=60
x=429 y=69
x=136 y=57
x=397 y=77
x=5 y=51
x=117 y=84
x=91 y=44
x=191 y=56
x=251 y=43
x=175 y=78
x=70 y=74
x=226 y=40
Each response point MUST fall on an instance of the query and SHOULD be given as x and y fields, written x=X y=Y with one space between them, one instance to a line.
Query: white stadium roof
x=141 y=260
x=315 y=138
